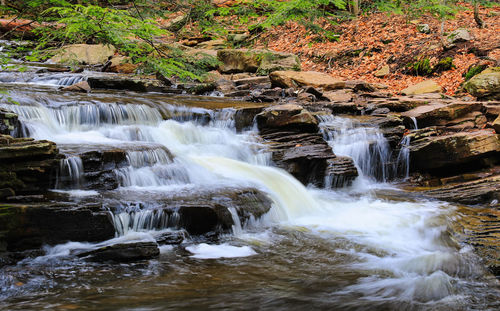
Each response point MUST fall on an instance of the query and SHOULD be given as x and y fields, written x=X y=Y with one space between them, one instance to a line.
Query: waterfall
x=143 y=220
x=367 y=146
x=60 y=79
x=403 y=160
x=395 y=249
x=70 y=172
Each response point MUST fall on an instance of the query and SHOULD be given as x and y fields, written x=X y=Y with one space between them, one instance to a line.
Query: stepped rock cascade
x=367 y=146
x=257 y=235
x=59 y=79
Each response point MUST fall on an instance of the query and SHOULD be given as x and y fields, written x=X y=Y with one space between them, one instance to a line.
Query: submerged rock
x=484 y=190
x=82 y=87
x=478 y=226
x=171 y=237
x=123 y=252
x=122 y=82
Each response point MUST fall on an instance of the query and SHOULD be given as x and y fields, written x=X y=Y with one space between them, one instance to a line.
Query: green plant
x=444 y=64
x=473 y=71
x=415 y=8
x=131 y=33
x=421 y=67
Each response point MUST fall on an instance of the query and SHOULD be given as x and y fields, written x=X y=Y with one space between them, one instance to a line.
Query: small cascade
x=59 y=79
x=403 y=160
x=237 y=228
x=70 y=173
x=151 y=168
x=367 y=146
x=148 y=157
x=223 y=118
x=133 y=219
x=83 y=116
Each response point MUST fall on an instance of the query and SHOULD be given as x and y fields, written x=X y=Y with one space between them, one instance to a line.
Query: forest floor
x=368 y=43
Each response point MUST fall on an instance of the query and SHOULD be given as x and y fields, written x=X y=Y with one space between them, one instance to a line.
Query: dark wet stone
x=33 y=225
x=453 y=153
x=171 y=237
x=123 y=252
x=27 y=165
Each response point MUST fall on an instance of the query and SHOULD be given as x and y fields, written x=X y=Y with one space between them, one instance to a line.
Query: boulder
x=100 y=164
x=308 y=157
x=9 y=123
x=294 y=79
x=382 y=72
x=177 y=23
x=424 y=28
x=233 y=61
x=482 y=191
x=277 y=61
x=88 y=54
x=428 y=86
x=123 y=252
x=37 y=224
x=440 y=113
x=459 y=35
x=237 y=37
x=210 y=212
x=27 y=165
x=200 y=211
x=288 y=116
x=261 y=61
x=127 y=83
x=244 y=117
x=456 y=152
x=485 y=85
x=218 y=44
x=478 y=226
x=82 y=87
x=121 y=64
x=339 y=96
x=171 y=237
x=340 y=172
x=496 y=125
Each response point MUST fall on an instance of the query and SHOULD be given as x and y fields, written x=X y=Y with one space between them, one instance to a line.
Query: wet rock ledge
x=293 y=137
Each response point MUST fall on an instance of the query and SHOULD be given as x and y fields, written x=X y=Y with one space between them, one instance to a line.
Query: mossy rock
x=473 y=71
x=485 y=85
x=444 y=64
x=262 y=62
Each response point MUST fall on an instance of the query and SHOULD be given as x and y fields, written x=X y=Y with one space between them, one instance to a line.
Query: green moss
x=444 y=65
x=421 y=67
x=474 y=70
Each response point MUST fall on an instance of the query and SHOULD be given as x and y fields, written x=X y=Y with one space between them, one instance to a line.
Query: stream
x=370 y=246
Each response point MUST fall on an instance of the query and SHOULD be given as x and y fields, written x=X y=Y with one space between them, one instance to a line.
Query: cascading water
x=315 y=249
x=70 y=172
x=367 y=146
x=403 y=160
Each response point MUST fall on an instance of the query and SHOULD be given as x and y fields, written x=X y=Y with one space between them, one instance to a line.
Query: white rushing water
x=403 y=244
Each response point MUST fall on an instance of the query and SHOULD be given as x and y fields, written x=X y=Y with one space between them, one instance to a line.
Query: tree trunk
x=480 y=23
x=355 y=7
